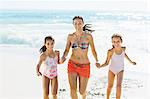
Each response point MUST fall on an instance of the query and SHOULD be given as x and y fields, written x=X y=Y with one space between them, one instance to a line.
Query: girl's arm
x=109 y=55
x=63 y=58
x=39 y=64
x=126 y=56
x=91 y=42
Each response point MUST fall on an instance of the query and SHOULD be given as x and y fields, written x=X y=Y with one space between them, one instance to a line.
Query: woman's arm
x=58 y=56
x=63 y=58
x=91 y=42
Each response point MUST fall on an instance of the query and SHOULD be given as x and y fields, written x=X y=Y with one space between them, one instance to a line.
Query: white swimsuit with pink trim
x=50 y=67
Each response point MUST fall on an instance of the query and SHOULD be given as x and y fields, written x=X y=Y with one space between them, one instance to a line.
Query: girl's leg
x=119 y=83
x=111 y=77
x=73 y=85
x=54 y=87
x=46 y=82
x=82 y=86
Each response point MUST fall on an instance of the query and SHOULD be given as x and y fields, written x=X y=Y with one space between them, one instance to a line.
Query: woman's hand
x=97 y=65
x=62 y=60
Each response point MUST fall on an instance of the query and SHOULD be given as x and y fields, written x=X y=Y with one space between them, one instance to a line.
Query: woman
x=78 y=64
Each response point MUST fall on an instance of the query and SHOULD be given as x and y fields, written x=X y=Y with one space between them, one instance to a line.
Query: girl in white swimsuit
x=50 y=59
x=116 y=68
x=117 y=62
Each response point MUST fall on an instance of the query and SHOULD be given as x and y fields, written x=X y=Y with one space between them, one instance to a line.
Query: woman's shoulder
x=70 y=35
x=89 y=36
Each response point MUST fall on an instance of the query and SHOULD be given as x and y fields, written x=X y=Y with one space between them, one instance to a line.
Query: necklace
x=79 y=37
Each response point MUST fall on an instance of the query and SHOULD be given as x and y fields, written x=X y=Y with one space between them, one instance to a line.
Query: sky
x=133 y=5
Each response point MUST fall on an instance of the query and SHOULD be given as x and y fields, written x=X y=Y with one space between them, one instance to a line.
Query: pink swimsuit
x=50 y=67
x=117 y=63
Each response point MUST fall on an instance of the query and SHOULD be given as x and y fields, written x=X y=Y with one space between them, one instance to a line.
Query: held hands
x=97 y=65
x=62 y=60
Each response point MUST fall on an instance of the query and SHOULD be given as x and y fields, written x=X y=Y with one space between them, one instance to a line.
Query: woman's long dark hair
x=43 y=48
x=87 y=27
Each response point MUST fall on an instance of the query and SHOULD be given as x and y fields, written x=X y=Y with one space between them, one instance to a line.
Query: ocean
x=23 y=27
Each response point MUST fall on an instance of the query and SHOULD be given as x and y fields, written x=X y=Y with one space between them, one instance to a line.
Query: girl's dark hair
x=86 y=27
x=43 y=48
x=116 y=36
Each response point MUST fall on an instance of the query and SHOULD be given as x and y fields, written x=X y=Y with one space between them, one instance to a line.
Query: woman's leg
x=111 y=77
x=119 y=83
x=82 y=86
x=46 y=82
x=73 y=85
x=54 y=87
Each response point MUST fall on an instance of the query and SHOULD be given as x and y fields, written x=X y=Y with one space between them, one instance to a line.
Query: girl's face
x=78 y=24
x=49 y=44
x=116 y=42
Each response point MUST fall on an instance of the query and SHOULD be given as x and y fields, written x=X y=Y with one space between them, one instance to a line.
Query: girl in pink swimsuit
x=50 y=59
x=116 y=68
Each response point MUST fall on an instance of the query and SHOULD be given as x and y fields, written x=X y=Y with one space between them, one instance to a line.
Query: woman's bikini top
x=78 y=44
x=82 y=45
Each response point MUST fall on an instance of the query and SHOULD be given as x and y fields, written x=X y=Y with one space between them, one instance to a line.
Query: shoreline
x=19 y=77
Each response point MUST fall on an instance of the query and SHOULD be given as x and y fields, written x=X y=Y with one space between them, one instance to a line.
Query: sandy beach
x=19 y=80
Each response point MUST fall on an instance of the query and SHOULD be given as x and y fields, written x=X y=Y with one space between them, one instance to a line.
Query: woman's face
x=78 y=24
x=116 y=42
x=49 y=44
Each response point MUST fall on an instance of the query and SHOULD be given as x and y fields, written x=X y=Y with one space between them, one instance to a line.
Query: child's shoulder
x=123 y=48
x=43 y=56
x=110 y=51
x=56 y=52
